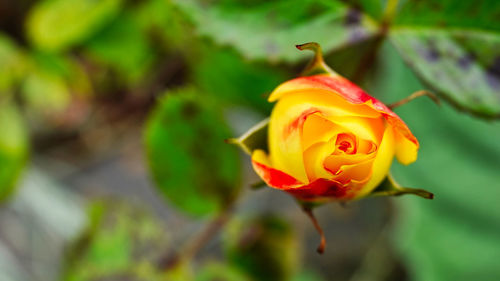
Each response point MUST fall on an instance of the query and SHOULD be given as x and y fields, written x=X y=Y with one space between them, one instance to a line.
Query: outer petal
x=273 y=177
x=318 y=190
x=407 y=144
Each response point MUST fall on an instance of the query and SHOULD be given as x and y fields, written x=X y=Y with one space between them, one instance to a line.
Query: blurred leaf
x=269 y=30
x=189 y=160
x=121 y=242
x=374 y=8
x=220 y=272
x=454 y=47
x=455 y=236
x=56 y=25
x=307 y=276
x=352 y=62
x=182 y=271
x=12 y=64
x=13 y=147
x=480 y=14
x=265 y=247
x=53 y=81
x=45 y=92
x=230 y=77
x=123 y=46
x=162 y=17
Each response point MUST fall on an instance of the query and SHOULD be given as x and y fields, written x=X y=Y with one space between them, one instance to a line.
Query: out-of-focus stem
x=390 y=11
x=322 y=244
x=193 y=246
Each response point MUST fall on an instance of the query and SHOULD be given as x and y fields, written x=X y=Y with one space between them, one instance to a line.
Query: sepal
x=255 y=138
x=389 y=187
x=317 y=64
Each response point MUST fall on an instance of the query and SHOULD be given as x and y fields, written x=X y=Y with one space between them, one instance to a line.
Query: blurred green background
x=113 y=115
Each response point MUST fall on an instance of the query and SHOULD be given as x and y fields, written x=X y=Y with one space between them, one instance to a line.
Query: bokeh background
x=113 y=115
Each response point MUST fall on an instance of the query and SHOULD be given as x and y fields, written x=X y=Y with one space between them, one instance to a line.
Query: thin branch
x=193 y=246
x=415 y=95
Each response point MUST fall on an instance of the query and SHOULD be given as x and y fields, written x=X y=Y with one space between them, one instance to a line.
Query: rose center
x=345 y=143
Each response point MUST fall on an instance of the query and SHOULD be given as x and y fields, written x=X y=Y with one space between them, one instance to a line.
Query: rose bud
x=328 y=140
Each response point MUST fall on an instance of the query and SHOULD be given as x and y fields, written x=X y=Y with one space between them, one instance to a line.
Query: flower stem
x=310 y=214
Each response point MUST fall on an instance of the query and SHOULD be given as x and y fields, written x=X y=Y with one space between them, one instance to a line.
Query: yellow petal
x=335 y=163
x=382 y=162
x=358 y=172
x=406 y=151
x=318 y=129
x=362 y=127
x=260 y=156
x=314 y=158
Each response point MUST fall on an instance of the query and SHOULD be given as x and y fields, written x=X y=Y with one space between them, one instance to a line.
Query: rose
x=329 y=140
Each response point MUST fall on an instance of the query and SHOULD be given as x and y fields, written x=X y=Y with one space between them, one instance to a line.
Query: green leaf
x=56 y=25
x=480 y=14
x=50 y=84
x=269 y=30
x=14 y=147
x=265 y=247
x=190 y=162
x=162 y=18
x=454 y=236
x=374 y=8
x=231 y=78
x=454 y=47
x=45 y=92
x=13 y=64
x=124 y=47
x=220 y=272
x=121 y=241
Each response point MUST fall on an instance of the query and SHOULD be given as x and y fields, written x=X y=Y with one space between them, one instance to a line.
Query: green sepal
x=310 y=205
x=258 y=185
x=389 y=187
x=255 y=138
x=317 y=65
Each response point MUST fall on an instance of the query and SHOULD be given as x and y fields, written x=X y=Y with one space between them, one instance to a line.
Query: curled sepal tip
x=317 y=64
x=389 y=187
x=309 y=212
x=255 y=138
x=258 y=185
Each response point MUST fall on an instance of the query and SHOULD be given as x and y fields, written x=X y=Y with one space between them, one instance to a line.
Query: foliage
x=441 y=52
x=190 y=162
x=13 y=147
x=462 y=219
x=120 y=241
x=77 y=77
